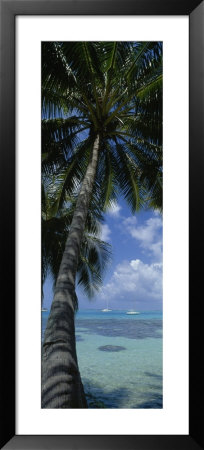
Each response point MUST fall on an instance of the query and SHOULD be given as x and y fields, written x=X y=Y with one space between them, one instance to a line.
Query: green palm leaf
x=95 y=254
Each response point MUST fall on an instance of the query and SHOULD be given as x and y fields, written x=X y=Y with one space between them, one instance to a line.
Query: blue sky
x=134 y=278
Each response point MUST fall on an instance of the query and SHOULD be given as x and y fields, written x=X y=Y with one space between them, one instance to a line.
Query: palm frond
x=110 y=89
x=94 y=260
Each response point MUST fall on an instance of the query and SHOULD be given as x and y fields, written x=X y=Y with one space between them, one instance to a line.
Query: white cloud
x=137 y=283
x=114 y=210
x=105 y=232
x=149 y=235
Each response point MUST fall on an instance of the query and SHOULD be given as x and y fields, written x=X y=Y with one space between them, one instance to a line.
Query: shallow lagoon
x=120 y=358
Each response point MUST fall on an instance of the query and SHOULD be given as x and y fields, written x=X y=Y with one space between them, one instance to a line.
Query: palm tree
x=94 y=255
x=102 y=136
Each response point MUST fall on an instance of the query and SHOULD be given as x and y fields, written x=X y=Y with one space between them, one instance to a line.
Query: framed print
x=24 y=25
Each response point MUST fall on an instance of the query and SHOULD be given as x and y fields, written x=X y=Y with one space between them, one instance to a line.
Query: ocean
x=120 y=358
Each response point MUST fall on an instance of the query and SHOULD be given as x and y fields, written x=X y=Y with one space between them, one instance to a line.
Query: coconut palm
x=102 y=136
x=94 y=253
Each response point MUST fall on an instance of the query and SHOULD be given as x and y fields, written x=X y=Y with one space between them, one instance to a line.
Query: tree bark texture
x=61 y=381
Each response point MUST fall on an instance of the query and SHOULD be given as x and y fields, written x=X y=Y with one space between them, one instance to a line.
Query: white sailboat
x=132 y=312
x=107 y=309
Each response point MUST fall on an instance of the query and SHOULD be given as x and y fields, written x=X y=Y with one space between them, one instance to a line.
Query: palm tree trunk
x=61 y=382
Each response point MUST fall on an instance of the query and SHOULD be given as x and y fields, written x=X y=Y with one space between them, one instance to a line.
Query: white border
x=173 y=418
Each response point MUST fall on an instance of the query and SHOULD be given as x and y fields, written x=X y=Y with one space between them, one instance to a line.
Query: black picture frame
x=9 y=10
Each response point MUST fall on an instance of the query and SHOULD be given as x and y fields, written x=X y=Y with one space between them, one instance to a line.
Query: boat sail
x=107 y=309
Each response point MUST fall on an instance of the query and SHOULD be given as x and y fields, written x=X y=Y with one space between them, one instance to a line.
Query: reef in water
x=111 y=348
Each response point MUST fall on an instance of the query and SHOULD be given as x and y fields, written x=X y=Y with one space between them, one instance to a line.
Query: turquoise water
x=120 y=358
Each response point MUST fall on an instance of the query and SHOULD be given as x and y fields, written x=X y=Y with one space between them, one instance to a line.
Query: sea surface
x=120 y=358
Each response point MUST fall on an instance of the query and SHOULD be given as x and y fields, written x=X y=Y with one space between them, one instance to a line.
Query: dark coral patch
x=111 y=348
x=132 y=329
